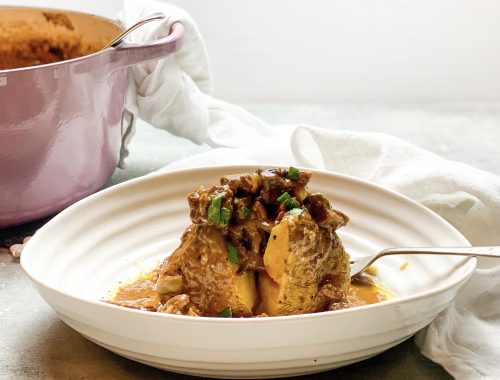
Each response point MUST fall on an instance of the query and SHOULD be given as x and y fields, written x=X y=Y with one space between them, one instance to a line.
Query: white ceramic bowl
x=80 y=254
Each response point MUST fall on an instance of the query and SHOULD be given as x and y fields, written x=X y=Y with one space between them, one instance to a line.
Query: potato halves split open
x=260 y=244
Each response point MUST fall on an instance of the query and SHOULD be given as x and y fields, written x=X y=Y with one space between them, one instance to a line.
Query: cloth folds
x=174 y=94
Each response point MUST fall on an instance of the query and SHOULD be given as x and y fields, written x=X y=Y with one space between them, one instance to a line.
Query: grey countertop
x=35 y=344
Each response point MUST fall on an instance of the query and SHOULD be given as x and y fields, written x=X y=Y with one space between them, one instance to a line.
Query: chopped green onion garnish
x=246 y=211
x=232 y=253
x=216 y=213
x=226 y=313
x=289 y=202
x=283 y=197
x=294 y=212
x=225 y=215
x=293 y=173
x=214 y=209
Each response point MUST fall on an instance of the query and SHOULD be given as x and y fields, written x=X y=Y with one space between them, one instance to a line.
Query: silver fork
x=359 y=264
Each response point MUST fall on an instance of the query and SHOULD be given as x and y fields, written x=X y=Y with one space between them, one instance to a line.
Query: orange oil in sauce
x=140 y=293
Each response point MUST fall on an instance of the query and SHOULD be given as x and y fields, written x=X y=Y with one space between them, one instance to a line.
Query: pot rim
x=58 y=63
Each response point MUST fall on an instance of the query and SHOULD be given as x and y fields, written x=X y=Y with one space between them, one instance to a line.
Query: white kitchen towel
x=173 y=94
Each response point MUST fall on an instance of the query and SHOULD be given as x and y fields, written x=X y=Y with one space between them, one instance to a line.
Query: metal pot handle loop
x=127 y=54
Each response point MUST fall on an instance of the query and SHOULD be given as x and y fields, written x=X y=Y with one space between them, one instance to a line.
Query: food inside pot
x=31 y=37
x=260 y=244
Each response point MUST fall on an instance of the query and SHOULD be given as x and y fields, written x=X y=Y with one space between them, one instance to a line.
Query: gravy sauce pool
x=140 y=293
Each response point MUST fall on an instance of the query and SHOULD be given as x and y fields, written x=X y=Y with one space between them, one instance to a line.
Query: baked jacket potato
x=259 y=244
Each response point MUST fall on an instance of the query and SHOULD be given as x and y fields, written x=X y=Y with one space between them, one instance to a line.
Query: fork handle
x=493 y=251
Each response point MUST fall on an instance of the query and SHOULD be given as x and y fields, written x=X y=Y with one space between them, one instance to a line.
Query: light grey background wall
x=334 y=50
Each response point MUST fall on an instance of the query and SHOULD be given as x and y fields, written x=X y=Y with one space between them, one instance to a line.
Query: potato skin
x=301 y=260
x=209 y=277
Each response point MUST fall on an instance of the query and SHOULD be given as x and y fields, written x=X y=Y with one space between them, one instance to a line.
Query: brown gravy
x=140 y=293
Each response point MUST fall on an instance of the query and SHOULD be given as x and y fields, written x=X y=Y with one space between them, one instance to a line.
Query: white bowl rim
x=27 y=251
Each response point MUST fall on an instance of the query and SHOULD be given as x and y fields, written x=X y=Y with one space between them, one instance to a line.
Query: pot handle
x=127 y=54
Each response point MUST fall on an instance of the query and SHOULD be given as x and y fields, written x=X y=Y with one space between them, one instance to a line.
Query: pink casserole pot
x=61 y=123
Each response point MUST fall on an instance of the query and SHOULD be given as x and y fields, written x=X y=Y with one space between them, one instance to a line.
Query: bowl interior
x=32 y=36
x=116 y=234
